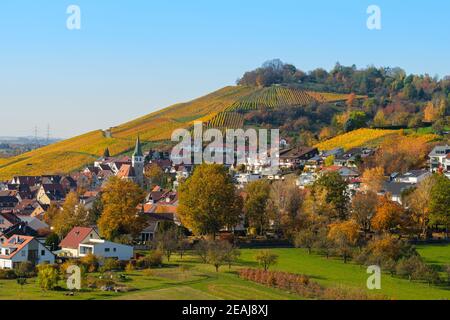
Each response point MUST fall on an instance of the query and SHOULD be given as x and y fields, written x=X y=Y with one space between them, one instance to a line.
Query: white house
x=106 y=249
x=439 y=158
x=81 y=241
x=17 y=249
x=78 y=235
x=244 y=178
x=413 y=176
x=306 y=179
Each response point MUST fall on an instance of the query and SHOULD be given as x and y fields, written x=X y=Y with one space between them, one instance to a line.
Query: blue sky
x=133 y=57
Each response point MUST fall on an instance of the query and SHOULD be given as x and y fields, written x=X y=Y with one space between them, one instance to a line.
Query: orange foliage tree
x=373 y=179
x=344 y=235
x=389 y=216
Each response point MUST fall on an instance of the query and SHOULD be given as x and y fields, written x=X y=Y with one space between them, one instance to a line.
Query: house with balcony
x=17 y=249
x=439 y=159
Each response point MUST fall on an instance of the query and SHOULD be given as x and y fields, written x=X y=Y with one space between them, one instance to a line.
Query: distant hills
x=28 y=140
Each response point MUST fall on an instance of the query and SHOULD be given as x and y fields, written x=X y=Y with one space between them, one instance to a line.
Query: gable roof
x=396 y=188
x=75 y=237
x=21 y=229
x=55 y=192
x=126 y=171
x=15 y=244
x=298 y=152
x=11 y=218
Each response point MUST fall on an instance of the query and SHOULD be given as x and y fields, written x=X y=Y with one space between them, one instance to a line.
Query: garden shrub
x=7 y=274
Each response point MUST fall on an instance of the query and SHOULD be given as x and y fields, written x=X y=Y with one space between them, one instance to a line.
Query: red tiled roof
x=17 y=242
x=126 y=171
x=75 y=237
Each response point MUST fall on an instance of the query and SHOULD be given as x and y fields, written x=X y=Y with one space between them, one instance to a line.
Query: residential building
x=81 y=241
x=439 y=159
x=8 y=202
x=395 y=190
x=50 y=192
x=306 y=179
x=412 y=176
x=106 y=249
x=7 y=220
x=78 y=235
x=295 y=157
x=18 y=249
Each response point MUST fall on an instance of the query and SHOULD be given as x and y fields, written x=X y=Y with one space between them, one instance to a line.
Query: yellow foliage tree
x=121 y=199
x=373 y=179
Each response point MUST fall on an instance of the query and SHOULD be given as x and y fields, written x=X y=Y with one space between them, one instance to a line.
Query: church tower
x=137 y=162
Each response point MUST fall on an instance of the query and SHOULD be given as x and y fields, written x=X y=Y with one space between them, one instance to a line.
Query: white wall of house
x=5 y=264
x=43 y=255
x=107 y=249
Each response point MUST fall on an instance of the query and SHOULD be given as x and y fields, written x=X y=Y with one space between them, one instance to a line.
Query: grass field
x=198 y=281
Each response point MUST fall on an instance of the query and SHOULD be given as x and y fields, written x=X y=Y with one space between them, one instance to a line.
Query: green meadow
x=189 y=279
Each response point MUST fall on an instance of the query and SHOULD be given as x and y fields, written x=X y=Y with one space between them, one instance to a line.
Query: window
x=24 y=253
x=114 y=249
x=106 y=249
x=42 y=252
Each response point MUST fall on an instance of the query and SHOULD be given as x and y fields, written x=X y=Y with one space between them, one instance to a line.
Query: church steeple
x=137 y=162
x=106 y=154
x=137 y=149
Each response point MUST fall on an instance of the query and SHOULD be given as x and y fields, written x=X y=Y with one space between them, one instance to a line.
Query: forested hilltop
x=393 y=100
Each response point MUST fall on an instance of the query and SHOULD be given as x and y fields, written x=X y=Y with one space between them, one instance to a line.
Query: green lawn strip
x=436 y=254
x=333 y=272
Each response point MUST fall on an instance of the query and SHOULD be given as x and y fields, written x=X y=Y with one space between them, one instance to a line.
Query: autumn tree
x=121 y=199
x=220 y=253
x=363 y=209
x=336 y=192
x=345 y=236
x=285 y=200
x=430 y=113
x=48 y=277
x=306 y=238
x=255 y=204
x=419 y=202
x=401 y=153
x=380 y=119
x=167 y=242
x=72 y=214
x=440 y=202
x=208 y=200
x=52 y=211
x=373 y=179
x=266 y=259
x=154 y=174
x=385 y=249
x=389 y=216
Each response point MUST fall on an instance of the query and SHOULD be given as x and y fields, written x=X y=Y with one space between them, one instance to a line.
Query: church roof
x=137 y=149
